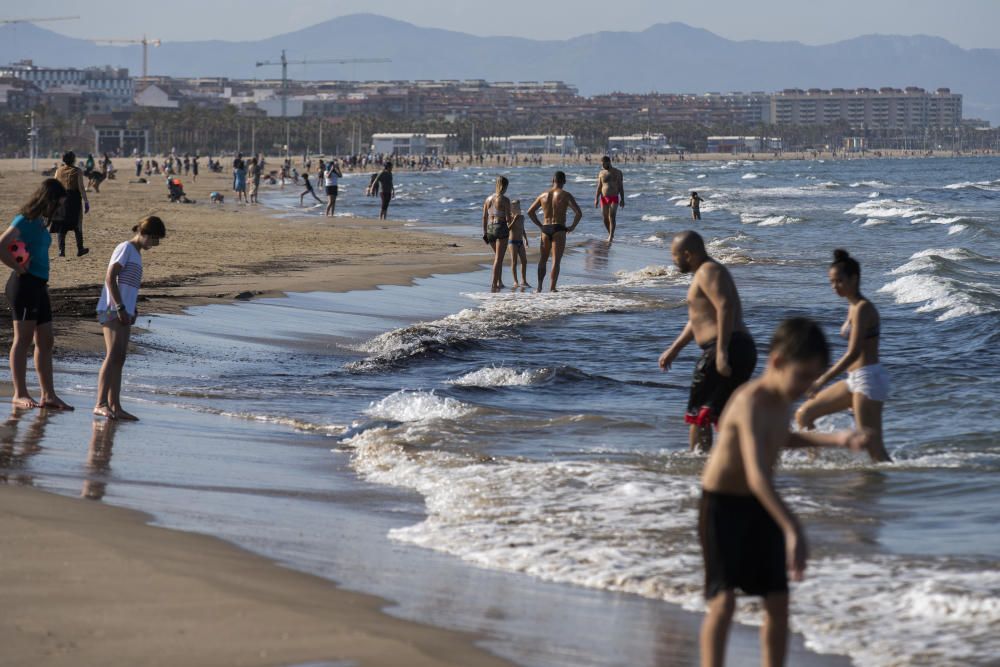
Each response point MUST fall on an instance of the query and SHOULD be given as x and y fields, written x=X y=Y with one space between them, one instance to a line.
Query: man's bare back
x=555 y=203
x=712 y=278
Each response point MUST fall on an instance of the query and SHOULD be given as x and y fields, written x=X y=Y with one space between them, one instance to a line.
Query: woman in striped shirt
x=116 y=311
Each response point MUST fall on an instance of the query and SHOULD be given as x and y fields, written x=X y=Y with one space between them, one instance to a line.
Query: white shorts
x=872 y=381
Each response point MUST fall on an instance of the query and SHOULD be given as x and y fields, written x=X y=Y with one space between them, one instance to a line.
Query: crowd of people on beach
x=751 y=540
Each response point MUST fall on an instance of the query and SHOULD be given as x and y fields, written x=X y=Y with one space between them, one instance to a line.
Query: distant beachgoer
x=71 y=218
x=331 y=181
x=254 y=168
x=610 y=195
x=117 y=312
x=28 y=295
x=518 y=244
x=496 y=230
x=750 y=539
x=238 y=164
x=695 y=204
x=138 y=166
x=240 y=183
x=382 y=186
x=308 y=189
x=867 y=385
x=194 y=169
x=715 y=322
x=554 y=203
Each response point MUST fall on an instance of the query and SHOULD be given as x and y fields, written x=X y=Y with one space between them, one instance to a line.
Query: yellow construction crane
x=285 y=62
x=146 y=43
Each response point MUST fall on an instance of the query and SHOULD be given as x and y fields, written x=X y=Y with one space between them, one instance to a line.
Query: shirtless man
x=554 y=202
x=694 y=203
x=610 y=195
x=750 y=539
x=715 y=322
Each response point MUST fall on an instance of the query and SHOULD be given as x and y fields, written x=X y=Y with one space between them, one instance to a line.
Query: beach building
x=120 y=140
x=442 y=144
x=111 y=84
x=868 y=108
x=743 y=144
x=399 y=143
x=639 y=143
x=532 y=144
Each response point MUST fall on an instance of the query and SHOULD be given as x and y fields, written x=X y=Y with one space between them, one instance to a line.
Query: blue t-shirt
x=37 y=239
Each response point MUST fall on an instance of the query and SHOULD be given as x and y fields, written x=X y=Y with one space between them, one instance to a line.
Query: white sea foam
x=653 y=218
x=446 y=200
x=869 y=184
x=920 y=281
x=889 y=208
x=678 y=198
x=414 y=406
x=957 y=229
x=874 y=222
x=702 y=176
x=751 y=176
x=649 y=275
x=496 y=317
x=500 y=376
x=768 y=220
x=613 y=526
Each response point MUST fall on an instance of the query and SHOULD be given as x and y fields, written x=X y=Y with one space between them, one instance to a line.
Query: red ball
x=20 y=252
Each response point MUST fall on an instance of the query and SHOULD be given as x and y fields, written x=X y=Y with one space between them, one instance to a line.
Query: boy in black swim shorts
x=749 y=537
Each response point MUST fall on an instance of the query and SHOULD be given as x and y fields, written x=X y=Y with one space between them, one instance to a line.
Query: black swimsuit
x=552 y=230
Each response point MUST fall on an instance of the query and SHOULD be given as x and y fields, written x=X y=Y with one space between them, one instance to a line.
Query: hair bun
x=839 y=255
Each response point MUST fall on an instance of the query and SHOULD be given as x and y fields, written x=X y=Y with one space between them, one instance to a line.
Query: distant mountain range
x=671 y=57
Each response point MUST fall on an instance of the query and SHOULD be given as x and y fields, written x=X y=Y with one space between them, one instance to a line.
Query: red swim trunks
x=608 y=201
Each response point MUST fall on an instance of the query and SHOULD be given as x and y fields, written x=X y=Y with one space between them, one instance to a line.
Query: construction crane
x=50 y=18
x=146 y=43
x=285 y=62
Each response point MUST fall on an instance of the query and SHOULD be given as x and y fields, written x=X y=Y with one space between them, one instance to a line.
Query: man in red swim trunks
x=610 y=195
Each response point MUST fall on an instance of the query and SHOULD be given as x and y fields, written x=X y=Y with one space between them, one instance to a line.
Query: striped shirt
x=129 y=279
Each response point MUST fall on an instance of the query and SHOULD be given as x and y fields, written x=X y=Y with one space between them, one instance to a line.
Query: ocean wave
x=768 y=220
x=653 y=218
x=874 y=222
x=413 y=406
x=620 y=527
x=751 y=176
x=868 y=184
x=501 y=376
x=889 y=208
x=988 y=186
x=648 y=275
x=941 y=280
x=498 y=316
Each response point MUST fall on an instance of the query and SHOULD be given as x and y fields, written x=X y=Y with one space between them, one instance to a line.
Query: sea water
x=534 y=433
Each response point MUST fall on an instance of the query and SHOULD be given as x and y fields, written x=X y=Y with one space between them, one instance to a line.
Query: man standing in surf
x=715 y=322
x=610 y=195
x=554 y=202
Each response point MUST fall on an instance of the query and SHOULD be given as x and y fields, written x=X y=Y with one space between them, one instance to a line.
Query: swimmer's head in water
x=799 y=355
x=687 y=249
x=845 y=274
x=69 y=158
x=559 y=178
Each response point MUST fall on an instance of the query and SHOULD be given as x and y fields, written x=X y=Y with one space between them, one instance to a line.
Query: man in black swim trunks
x=715 y=322
x=554 y=203
x=750 y=540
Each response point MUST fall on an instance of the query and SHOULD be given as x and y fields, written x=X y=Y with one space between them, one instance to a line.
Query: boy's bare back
x=751 y=410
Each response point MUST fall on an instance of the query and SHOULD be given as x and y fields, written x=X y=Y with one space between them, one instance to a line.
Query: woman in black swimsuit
x=496 y=228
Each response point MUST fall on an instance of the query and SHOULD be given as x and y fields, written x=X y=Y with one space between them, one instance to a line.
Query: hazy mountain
x=669 y=57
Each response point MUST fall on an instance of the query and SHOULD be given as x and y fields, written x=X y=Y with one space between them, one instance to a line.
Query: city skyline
x=767 y=20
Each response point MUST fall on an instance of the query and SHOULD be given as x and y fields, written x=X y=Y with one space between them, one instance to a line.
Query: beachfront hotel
x=882 y=109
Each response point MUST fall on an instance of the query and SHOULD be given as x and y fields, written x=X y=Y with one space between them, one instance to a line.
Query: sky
x=968 y=23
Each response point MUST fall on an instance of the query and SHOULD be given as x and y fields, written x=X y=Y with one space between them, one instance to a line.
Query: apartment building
x=867 y=108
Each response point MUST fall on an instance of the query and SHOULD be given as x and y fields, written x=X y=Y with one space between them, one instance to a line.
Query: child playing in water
x=116 y=311
x=518 y=243
x=750 y=539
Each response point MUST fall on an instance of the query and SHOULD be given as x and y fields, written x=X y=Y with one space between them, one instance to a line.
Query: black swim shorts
x=742 y=546
x=28 y=297
x=331 y=191
x=709 y=390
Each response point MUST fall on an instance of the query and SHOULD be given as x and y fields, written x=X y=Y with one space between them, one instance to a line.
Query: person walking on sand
x=331 y=181
x=750 y=539
x=694 y=203
x=715 y=322
x=28 y=295
x=382 y=186
x=71 y=178
x=496 y=229
x=867 y=385
x=116 y=312
x=610 y=195
x=518 y=244
x=554 y=203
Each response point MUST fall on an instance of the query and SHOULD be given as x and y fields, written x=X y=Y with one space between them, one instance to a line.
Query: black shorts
x=331 y=191
x=709 y=390
x=28 y=297
x=386 y=198
x=742 y=546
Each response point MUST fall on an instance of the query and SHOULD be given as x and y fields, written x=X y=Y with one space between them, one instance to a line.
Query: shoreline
x=364 y=271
